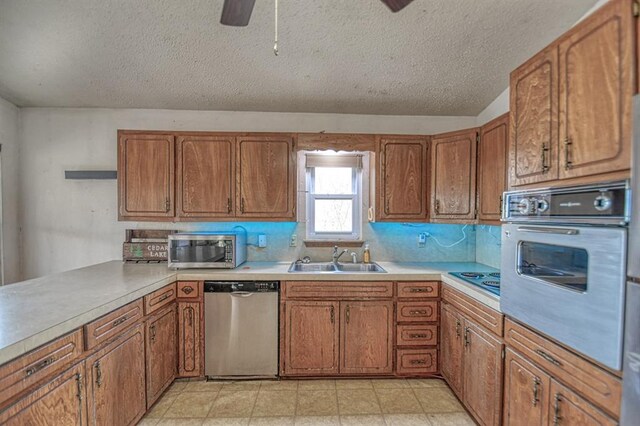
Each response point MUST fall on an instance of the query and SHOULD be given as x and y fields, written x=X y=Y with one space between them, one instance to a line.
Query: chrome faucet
x=354 y=257
x=337 y=255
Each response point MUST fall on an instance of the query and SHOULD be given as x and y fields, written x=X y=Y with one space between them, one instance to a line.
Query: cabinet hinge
x=636 y=8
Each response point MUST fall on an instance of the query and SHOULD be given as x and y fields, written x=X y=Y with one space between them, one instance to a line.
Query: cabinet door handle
x=42 y=364
x=333 y=315
x=120 y=321
x=545 y=165
x=548 y=357
x=556 y=409
x=190 y=316
x=228 y=205
x=501 y=202
x=418 y=336
x=568 y=163
x=347 y=314
x=386 y=205
x=467 y=338
x=152 y=329
x=458 y=327
x=98 y=374
x=536 y=390
x=167 y=204
x=242 y=205
x=79 y=384
x=436 y=206
x=419 y=312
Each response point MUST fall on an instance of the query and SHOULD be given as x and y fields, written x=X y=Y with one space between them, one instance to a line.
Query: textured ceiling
x=436 y=57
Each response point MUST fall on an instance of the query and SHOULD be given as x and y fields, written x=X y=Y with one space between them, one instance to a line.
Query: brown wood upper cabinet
x=146 y=176
x=596 y=89
x=266 y=177
x=571 y=103
x=453 y=179
x=402 y=183
x=492 y=168
x=205 y=176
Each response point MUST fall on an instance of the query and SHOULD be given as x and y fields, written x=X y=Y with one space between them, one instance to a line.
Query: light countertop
x=37 y=311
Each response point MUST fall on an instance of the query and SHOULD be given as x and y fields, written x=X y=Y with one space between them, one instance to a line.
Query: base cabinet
x=526 y=390
x=59 y=401
x=190 y=339
x=451 y=348
x=161 y=350
x=569 y=409
x=116 y=381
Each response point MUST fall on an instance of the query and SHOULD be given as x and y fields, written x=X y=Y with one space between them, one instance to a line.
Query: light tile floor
x=397 y=402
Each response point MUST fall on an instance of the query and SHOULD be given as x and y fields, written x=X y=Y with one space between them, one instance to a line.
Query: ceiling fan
x=238 y=12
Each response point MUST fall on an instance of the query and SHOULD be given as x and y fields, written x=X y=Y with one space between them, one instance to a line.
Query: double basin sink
x=330 y=267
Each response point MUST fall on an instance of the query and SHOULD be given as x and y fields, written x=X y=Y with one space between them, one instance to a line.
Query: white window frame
x=357 y=206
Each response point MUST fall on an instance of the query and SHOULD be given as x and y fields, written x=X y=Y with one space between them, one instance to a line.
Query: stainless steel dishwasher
x=241 y=329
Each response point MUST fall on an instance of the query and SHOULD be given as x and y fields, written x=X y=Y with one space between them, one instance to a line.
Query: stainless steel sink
x=329 y=267
x=312 y=267
x=360 y=267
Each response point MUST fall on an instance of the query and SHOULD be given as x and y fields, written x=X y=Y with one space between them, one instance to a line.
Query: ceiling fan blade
x=396 y=5
x=236 y=12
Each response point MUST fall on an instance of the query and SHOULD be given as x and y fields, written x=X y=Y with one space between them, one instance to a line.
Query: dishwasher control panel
x=243 y=286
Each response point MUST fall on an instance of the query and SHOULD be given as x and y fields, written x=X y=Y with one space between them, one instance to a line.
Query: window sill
x=331 y=243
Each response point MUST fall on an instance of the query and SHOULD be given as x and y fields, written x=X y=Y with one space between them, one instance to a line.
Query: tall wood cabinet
x=146 y=175
x=402 y=178
x=571 y=103
x=492 y=169
x=161 y=352
x=116 y=378
x=205 y=176
x=453 y=176
x=265 y=177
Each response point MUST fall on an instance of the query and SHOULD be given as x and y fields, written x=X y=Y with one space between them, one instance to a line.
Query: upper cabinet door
x=534 y=120
x=596 y=89
x=453 y=180
x=492 y=168
x=266 y=177
x=403 y=178
x=205 y=176
x=145 y=176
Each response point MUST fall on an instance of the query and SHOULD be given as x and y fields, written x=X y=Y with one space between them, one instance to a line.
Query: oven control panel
x=597 y=204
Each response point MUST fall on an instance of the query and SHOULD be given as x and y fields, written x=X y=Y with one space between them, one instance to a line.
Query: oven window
x=559 y=265
x=198 y=251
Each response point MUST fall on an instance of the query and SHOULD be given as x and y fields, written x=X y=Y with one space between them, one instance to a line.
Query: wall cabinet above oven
x=205 y=176
x=571 y=104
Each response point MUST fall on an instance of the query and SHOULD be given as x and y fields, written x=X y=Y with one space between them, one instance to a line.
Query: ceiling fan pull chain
x=275 y=45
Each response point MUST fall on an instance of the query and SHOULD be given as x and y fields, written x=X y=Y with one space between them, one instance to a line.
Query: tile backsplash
x=387 y=241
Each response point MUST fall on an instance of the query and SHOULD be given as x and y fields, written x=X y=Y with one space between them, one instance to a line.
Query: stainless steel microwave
x=207 y=250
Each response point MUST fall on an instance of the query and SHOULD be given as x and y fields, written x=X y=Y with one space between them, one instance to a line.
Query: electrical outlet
x=422 y=239
x=262 y=240
x=293 y=241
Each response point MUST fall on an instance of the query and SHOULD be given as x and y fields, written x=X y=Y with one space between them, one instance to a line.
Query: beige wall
x=9 y=129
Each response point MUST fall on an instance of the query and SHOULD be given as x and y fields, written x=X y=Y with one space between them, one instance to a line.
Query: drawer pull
x=40 y=366
x=120 y=321
x=419 y=290
x=420 y=312
x=164 y=297
x=548 y=357
x=418 y=336
x=187 y=290
x=418 y=361
x=536 y=390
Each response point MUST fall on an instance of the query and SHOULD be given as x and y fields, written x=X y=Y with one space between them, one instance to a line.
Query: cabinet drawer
x=481 y=314
x=417 y=361
x=595 y=384
x=417 y=335
x=189 y=290
x=24 y=372
x=337 y=290
x=417 y=311
x=112 y=324
x=412 y=290
x=159 y=298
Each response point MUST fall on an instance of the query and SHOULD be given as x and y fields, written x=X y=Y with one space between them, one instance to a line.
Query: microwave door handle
x=542 y=230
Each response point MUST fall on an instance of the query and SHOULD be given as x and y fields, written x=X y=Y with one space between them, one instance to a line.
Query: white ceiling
x=436 y=57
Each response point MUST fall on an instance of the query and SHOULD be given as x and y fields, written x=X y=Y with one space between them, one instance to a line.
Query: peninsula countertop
x=36 y=311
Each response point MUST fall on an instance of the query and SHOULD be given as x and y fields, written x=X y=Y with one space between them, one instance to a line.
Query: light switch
x=262 y=240
x=422 y=239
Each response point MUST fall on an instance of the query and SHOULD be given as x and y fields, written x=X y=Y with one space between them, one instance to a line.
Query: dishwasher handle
x=241 y=293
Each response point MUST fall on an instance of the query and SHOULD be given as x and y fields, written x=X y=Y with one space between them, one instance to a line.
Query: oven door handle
x=543 y=230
